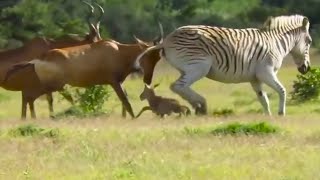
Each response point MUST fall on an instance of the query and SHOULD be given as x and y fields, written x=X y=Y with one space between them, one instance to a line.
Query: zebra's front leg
x=190 y=74
x=262 y=96
x=272 y=81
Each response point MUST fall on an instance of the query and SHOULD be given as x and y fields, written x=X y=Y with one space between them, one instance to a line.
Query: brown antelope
x=102 y=62
x=160 y=105
x=34 y=49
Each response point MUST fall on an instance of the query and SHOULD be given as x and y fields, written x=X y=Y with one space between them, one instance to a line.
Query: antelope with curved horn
x=72 y=66
x=34 y=49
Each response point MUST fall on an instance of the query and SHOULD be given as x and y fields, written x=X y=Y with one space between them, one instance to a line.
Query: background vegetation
x=234 y=141
x=23 y=19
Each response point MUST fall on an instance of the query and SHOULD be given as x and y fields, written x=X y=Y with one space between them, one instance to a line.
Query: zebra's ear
x=267 y=23
x=305 y=23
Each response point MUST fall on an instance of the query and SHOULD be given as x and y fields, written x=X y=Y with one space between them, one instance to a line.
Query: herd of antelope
x=43 y=66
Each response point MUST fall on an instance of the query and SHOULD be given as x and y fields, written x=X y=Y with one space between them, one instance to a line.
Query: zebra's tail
x=152 y=48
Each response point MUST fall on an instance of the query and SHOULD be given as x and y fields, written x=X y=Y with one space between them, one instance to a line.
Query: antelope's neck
x=153 y=100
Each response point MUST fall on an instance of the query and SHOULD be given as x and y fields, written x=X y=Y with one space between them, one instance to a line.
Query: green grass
x=261 y=128
x=33 y=130
x=169 y=149
x=230 y=143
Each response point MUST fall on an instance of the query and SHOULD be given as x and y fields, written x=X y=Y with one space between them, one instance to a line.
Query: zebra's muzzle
x=303 y=69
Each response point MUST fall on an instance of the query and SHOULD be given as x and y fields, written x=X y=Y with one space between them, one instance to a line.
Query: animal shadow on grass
x=161 y=106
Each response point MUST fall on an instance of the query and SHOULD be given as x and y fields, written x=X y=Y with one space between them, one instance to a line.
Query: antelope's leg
x=50 y=103
x=28 y=97
x=31 y=106
x=124 y=112
x=23 y=105
x=123 y=98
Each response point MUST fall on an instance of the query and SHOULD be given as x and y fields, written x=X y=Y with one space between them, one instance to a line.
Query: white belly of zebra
x=229 y=77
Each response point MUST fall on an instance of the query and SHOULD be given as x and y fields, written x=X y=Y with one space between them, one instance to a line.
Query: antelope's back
x=91 y=65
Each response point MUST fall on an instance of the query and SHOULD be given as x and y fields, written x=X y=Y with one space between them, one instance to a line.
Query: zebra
x=236 y=56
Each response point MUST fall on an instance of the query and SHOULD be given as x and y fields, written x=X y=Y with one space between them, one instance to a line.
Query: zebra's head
x=302 y=40
x=300 y=52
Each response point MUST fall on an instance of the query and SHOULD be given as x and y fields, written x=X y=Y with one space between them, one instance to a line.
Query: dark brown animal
x=159 y=105
x=103 y=62
x=34 y=49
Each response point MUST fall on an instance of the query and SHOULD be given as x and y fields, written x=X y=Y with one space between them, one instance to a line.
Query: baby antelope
x=159 y=105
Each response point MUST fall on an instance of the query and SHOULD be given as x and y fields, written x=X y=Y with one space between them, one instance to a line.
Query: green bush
x=87 y=101
x=306 y=87
x=236 y=128
x=194 y=131
x=260 y=128
x=223 y=112
x=91 y=100
x=33 y=130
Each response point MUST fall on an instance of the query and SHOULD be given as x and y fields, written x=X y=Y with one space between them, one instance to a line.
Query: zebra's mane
x=285 y=22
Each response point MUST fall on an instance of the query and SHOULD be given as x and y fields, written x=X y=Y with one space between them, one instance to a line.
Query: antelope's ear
x=142 y=44
x=267 y=24
x=156 y=85
x=305 y=23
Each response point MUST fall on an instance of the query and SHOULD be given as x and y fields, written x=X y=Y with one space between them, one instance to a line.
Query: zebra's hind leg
x=262 y=96
x=272 y=80
x=190 y=74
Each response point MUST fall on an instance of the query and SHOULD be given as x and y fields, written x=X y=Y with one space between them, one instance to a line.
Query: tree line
x=24 y=19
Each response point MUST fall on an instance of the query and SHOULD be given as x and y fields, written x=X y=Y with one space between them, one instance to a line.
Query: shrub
x=87 y=101
x=306 y=87
x=246 y=129
x=223 y=112
x=255 y=128
x=91 y=100
x=33 y=130
x=193 y=131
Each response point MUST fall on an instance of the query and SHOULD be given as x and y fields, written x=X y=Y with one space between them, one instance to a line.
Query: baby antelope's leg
x=164 y=115
x=146 y=108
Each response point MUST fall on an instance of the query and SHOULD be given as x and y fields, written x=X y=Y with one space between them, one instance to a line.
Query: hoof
x=200 y=110
x=281 y=113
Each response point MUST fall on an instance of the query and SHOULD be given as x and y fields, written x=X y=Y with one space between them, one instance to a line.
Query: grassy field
x=110 y=147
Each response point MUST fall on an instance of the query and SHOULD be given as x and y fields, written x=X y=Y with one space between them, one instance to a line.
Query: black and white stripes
x=236 y=55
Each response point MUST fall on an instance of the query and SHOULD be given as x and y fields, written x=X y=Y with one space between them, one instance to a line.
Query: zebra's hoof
x=200 y=111
x=281 y=113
